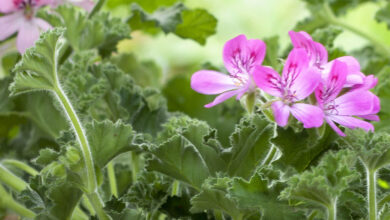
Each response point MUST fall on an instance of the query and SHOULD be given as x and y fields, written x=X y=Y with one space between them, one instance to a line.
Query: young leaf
x=197 y=25
x=250 y=145
x=38 y=68
x=109 y=139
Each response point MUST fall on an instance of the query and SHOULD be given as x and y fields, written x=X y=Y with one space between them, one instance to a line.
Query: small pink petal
x=317 y=53
x=222 y=97
x=42 y=24
x=281 y=113
x=310 y=115
x=351 y=122
x=7 y=6
x=305 y=83
x=86 y=4
x=211 y=82
x=370 y=117
x=357 y=103
x=369 y=82
x=28 y=34
x=241 y=54
x=334 y=127
x=43 y=2
x=268 y=80
x=10 y=24
x=296 y=63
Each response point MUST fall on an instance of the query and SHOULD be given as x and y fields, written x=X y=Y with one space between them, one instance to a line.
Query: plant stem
x=11 y=180
x=134 y=165
x=175 y=188
x=20 y=165
x=332 y=19
x=270 y=155
x=218 y=215
x=97 y=8
x=97 y=204
x=371 y=190
x=8 y=202
x=332 y=211
x=112 y=179
x=81 y=137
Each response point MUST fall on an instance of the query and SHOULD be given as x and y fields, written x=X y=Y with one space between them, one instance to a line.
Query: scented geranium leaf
x=150 y=191
x=372 y=148
x=197 y=25
x=382 y=15
x=383 y=92
x=326 y=36
x=46 y=156
x=55 y=198
x=272 y=56
x=108 y=140
x=144 y=73
x=190 y=155
x=214 y=196
x=250 y=145
x=323 y=184
x=167 y=18
x=260 y=194
x=223 y=117
x=299 y=149
x=338 y=7
x=38 y=68
x=147 y=5
x=8 y=61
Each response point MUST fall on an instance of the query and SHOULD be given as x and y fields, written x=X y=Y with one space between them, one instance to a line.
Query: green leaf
x=299 y=149
x=197 y=25
x=261 y=193
x=326 y=36
x=108 y=140
x=383 y=15
x=214 y=196
x=148 y=5
x=250 y=145
x=38 y=68
x=167 y=18
x=191 y=155
x=372 y=148
x=323 y=184
x=144 y=73
x=272 y=57
x=8 y=61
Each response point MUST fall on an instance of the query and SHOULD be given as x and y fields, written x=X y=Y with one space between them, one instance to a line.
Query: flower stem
x=112 y=179
x=20 y=165
x=97 y=205
x=97 y=8
x=8 y=202
x=175 y=188
x=218 y=215
x=332 y=19
x=11 y=180
x=332 y=211
x=134 y=165
x=371 y=190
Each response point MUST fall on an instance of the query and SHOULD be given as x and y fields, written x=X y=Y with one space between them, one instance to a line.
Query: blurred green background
x=254 y=18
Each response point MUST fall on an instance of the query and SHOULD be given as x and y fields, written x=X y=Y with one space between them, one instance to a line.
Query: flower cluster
x=339 y=90
x=20 y=17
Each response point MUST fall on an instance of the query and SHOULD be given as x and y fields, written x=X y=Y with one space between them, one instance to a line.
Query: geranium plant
x=88 y=131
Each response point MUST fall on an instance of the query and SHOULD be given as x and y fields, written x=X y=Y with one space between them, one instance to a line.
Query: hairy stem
x=6 y=201
x=97 y=204
x=332 y=19
x=11 y=180
x=112 y=179
x=371 y=191
x=332 y=211
x=97 y=8
x=175 y=188
x=20 y=165
x=134 y=165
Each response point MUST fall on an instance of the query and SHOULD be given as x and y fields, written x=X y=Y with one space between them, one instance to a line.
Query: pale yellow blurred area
x=254 y=18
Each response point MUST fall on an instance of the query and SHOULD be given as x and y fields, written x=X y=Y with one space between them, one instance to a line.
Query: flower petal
x=334 y=83
x=351 y=122
x=357 y=103
x=268 y=80
x=369 y=82
x=354 y=75
x=281 y=113
x=86 y=4
x=316 y=52
x=28 y=34
x=223 y=97
x=309 y=115
x=305 y=83
x=43 y=2
x=370 y=117
x=10 y=24
x=7 y=6
x=334 y=127
x=211 y=82
x=241 y=55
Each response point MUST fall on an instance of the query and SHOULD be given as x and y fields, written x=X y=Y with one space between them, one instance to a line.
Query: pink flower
x=20 y=17
x=240 y=57
x=318 y=57
x=355 y=102
x=299 y=79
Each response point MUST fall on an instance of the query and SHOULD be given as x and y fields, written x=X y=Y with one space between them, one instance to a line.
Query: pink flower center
x=331 y=109
x=27 y=6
